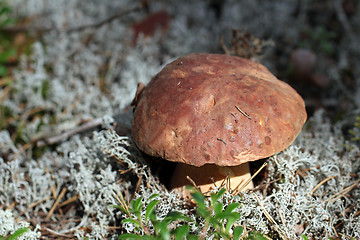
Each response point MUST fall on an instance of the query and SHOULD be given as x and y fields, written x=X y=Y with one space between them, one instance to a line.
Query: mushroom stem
x=209 y=175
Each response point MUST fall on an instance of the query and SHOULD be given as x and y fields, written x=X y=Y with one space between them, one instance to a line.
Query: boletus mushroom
x=214 y=113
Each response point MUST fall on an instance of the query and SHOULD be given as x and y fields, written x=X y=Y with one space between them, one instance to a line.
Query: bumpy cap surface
x=213 y=108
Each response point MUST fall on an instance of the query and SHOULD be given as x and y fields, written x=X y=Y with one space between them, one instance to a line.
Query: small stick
x=341 y=193
x=138 y=184
x=53 y=190
x=213 y=182
x=29 y=28
x=283 y=222
x=268 y=216
x=266 y=187
x=193 y=183
x=332 y=226
x=55 y=139
x=62 y=193
x=26 y=114
x=12 y=205
x=242 y=112
x=222 y=184
x=57 y=233
x=106 y=21
x=223 y=46
x=70 y=200
x=219 y=139
x=249 y=180
x=321 y=183
x=125 y=171
x=228 y=183
x=34 y=205
x=22 y=149
x=245 y=230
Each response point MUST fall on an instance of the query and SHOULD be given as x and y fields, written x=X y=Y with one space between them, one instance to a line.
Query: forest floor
x=69 y=70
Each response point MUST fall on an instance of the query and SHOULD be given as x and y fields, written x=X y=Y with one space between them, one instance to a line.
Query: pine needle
x=268 y=216
x=237 y=190
x=61 y=195
x=321 y=183
x=342 y=193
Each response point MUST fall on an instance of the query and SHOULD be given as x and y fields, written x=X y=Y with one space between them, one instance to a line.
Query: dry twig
x=283 y=222
x=65 y=135
x=268 y=216
x=107 y=20
x=53 y=232
x=321 y=183
x=68 y=201
x=61 y=195
x=238 y=190
x=34 y=205
x=38 y=30
x=193 y=183
x=343 y=192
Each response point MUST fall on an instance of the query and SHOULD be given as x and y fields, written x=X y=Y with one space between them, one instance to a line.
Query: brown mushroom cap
x=213 y=108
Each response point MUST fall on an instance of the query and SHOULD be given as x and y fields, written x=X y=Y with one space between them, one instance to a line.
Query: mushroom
x=213 y=114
